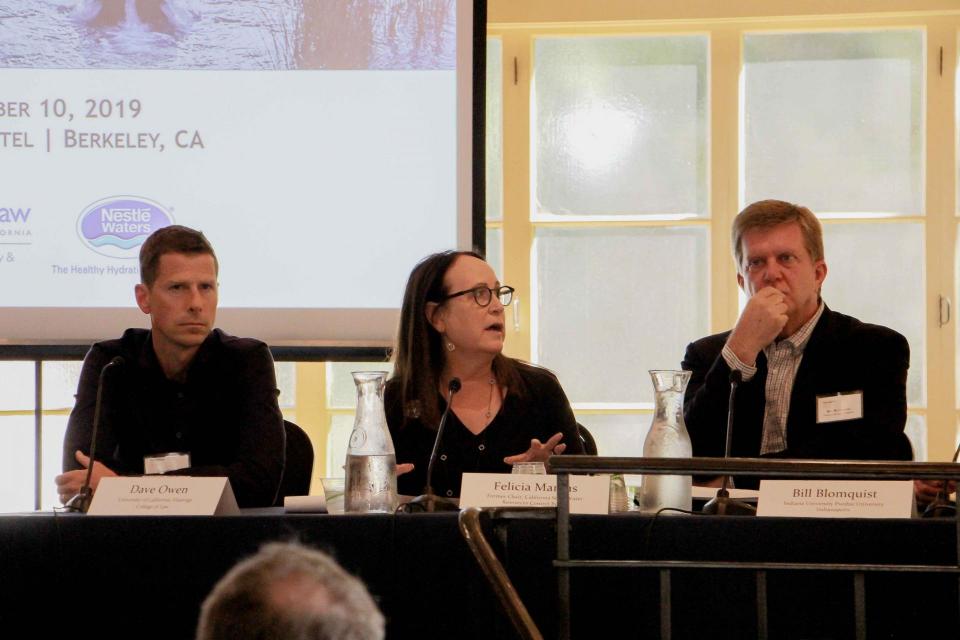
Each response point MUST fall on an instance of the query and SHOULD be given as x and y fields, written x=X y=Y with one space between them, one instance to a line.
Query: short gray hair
x=289 y=592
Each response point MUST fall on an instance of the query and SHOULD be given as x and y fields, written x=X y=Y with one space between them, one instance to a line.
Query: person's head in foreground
x=289 y=592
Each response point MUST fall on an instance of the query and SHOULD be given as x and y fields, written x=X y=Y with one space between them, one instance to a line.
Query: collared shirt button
x=482 y=447
x=449 y=492
x=443 y=457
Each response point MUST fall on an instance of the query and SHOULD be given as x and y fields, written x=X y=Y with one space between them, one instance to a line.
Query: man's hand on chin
x=761 y=322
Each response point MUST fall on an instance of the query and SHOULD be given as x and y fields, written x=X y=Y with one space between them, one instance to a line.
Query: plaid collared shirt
x=783 y=360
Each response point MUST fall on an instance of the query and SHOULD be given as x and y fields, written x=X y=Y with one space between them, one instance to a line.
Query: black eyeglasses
x=483 y=295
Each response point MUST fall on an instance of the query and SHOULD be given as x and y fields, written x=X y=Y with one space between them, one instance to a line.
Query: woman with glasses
x=507 y=411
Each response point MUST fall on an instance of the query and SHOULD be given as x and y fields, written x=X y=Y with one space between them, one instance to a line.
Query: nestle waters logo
x=117 y=226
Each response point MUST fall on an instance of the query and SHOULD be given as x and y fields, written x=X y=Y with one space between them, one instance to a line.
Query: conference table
x=140 y=577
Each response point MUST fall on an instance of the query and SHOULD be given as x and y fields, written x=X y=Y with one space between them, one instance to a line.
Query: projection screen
x=323 y=146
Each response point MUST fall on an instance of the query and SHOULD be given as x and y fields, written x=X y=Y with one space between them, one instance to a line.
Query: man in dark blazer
x=816 y=383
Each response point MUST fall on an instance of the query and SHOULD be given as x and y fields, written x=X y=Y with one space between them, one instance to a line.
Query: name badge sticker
x=164 y=462
x=840 y=406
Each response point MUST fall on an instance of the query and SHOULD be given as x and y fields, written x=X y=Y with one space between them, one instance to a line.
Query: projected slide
x=313 y=141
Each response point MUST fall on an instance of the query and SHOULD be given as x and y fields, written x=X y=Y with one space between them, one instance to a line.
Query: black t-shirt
x=538 y=410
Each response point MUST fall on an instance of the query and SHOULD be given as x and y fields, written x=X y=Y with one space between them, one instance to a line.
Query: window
x=643 y=131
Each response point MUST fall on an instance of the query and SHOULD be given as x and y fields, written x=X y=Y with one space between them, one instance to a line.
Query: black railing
x=563 y=466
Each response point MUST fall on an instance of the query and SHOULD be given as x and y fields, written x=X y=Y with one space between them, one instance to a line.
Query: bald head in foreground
x=289 y=592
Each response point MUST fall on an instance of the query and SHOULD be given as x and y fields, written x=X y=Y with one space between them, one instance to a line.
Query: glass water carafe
x=667 y=438
x=371 y=471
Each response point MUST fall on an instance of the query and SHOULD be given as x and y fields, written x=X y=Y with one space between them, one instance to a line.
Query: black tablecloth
x=146 y=576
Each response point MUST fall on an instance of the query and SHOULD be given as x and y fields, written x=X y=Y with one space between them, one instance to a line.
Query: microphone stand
x=430 y=502
x=81 y=501
x=723 y=504
x=941 y=507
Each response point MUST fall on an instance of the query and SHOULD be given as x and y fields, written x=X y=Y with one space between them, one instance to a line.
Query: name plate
x=305 y=504
x=588 y=494
x=163 y=496
x=836 y=498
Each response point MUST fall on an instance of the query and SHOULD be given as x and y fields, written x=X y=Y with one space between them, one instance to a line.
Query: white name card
x=588 y=494
x=163 y=496
x=305 y=504
x=836 y=498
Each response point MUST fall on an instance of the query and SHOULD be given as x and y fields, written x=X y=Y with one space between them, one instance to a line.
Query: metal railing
x=563 y=466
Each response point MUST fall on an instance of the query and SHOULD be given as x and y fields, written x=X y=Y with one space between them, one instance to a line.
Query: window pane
x=287 y=383
x=613 y=303
x=916 y=431
x=617 y=435
x=620 y=125
x=876 y=275
x=835 y=120
x=340 y=428
x=60 y=384
x=495 y=252
x=16 y=473
x=494 y=129
x=341 y=391
x=52 y=459
x=17 y=390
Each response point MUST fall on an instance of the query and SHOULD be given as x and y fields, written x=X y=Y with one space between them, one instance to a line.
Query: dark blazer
x=843 y=354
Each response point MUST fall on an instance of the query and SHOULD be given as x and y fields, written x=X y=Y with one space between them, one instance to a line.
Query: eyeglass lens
x=483 y=295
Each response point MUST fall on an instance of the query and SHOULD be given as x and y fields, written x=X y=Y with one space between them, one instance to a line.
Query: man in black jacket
x=816 y=383
x=183 y=387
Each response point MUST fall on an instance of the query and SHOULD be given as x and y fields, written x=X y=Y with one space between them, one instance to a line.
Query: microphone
x=941 y=507
x=81 y=501
x=722 y=504
x=430 y=502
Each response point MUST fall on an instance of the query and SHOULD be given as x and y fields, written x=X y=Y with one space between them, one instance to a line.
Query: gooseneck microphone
x=722 y=504
x=941 y=506
x=429 y=501
x=452 y=389
x=81 y=501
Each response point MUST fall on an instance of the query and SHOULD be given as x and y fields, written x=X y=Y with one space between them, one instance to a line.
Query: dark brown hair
x=172 y=239
x=771 y=213
x=419 y=355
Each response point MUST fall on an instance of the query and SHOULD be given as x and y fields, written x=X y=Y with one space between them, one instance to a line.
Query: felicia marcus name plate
x=588 y=494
